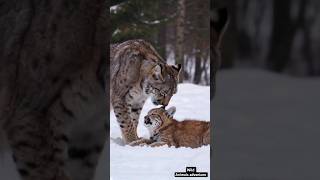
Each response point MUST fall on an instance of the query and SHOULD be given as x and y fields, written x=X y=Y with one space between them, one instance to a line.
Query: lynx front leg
x=135 y=113
x=128 y=127
x=83 y=108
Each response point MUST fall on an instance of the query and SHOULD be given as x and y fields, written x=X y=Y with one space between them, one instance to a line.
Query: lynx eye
x=162 y=93
x=155 y=77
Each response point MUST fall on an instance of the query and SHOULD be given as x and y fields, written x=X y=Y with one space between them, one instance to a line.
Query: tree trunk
x=162 y=40
x=198 y=68
x=283 y=32
x=180 y=26
x=306 y=25
x=205 y=68
x=307 y=51
x=218 y=24
x=162 y=32
x=229 y=45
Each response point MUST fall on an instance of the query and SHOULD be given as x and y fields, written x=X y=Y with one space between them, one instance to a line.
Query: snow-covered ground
x=8 y=169
x=160 y=163
x=266 y=126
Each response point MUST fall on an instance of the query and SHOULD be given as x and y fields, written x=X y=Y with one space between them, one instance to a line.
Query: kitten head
x=158 y=117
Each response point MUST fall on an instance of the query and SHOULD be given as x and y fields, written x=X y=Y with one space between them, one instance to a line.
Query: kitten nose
x=147 y=120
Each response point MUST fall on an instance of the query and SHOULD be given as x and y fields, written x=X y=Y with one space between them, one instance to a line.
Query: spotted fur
x=53 y=103
x=138 y=72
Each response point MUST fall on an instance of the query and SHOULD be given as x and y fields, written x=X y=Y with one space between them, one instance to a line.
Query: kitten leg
x=141 y=142
x=157 y=144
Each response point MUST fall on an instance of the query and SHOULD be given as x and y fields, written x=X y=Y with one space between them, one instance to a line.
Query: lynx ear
x=171 y=111
x=177 y=67
x=157 y=72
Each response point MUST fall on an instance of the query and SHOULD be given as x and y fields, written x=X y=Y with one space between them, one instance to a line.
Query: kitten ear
x=171 y=111
x=157 y=72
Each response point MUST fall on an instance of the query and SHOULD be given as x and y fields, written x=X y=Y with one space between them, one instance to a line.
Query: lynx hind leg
x=85 y=148
x=38 y=148
x=85 y=107
x=127 y=126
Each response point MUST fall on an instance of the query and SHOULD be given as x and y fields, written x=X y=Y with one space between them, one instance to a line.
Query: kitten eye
x=158 y=119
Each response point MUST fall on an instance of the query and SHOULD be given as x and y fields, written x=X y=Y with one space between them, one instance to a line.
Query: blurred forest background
x=279 y=35
x=178 y=29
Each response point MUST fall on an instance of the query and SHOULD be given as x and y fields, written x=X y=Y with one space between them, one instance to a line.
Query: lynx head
x=161 y=83
x=158 y=117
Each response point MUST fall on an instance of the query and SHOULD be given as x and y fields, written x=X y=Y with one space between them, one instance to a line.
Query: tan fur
x=137 y=72
x=187 y=133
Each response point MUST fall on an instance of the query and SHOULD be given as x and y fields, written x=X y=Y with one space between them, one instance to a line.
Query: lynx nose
x=166 y=101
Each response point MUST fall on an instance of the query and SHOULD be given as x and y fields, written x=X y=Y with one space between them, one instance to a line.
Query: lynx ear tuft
x=177 y=67
x=171 y=111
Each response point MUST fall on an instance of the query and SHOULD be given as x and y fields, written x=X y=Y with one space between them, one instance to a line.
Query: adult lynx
x=137 y=72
